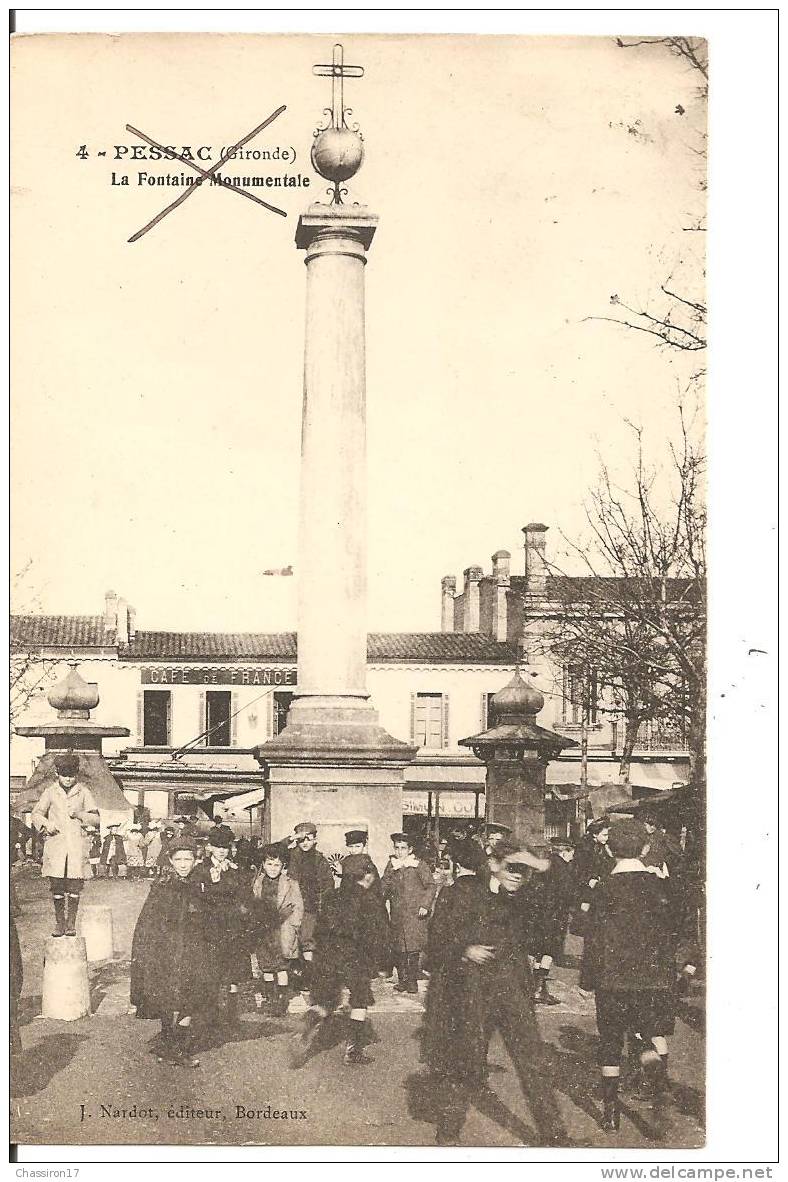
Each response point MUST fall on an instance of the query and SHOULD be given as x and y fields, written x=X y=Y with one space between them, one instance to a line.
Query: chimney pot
x=535 y=558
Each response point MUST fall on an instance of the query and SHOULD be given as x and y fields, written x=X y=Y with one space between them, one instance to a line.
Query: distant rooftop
x=90 y=631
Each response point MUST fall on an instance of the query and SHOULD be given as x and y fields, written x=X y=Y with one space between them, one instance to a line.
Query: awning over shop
x=434 y=778
x=245 y=800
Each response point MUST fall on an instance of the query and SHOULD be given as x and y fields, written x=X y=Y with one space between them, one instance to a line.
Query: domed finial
x=73 y=697
x=338 y=150
x=516 y=701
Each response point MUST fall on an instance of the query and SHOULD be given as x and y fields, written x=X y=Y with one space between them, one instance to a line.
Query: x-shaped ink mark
x=206 y=173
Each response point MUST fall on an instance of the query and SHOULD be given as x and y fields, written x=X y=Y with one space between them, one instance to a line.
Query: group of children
x=486 y=921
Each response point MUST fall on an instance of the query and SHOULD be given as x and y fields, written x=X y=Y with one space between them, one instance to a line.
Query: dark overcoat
x=630 y=936
x=351 y=940
x=462 y=996
x=408 y=888
x=551 y=896
x=310 y=869
x=173 y=964
x=113 y=850
x=231 y=918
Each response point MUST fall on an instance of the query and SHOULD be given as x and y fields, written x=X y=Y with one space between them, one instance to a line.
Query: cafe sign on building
x=216 y=675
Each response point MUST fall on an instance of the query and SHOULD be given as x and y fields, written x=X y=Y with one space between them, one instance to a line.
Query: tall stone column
x=332 y=570
x=333 y=763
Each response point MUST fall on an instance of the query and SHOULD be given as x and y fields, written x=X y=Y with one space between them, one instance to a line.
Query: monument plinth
x=333 y=763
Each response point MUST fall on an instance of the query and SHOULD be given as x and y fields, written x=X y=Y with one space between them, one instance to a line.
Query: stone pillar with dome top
x=516 y=751
x=333 y=763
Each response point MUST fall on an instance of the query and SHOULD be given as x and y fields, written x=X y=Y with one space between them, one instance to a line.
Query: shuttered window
x=218 y=706
x=430 y=720
x=156 y=718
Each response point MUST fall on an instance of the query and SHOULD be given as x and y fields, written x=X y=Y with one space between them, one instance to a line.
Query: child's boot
x=354 y=1047
x=611 y=1113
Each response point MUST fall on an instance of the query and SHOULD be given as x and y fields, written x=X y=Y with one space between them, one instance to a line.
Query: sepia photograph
x=359 y=597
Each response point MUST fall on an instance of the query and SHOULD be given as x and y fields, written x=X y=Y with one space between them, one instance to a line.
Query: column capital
x=328 y=221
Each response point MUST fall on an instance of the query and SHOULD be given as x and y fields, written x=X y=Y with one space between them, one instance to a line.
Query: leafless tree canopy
x=637 y=616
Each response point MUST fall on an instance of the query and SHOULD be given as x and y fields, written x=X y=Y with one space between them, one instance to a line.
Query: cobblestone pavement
x=79 y=1082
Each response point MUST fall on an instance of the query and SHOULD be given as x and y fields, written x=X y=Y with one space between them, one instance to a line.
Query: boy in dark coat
x=481 y=980
x=350 y=939
x=629 y=961
x=309 y=868
x=173 y=970
x=228 y=903
x=410 y=892
x=552 y=895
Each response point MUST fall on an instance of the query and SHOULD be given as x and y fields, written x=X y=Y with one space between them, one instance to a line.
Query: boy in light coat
x=64 y=810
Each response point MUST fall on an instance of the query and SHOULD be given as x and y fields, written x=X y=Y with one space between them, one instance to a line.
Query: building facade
x=519 y=608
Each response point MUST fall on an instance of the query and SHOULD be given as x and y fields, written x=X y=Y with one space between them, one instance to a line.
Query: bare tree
x=28 y=670
x=639 y=620
x=677 y=314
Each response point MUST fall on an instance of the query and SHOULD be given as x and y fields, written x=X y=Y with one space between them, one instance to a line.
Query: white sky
x=157 y=386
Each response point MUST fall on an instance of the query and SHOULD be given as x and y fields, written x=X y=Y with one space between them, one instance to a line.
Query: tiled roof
x=587 y=588
x=60 y=632
x=435 y=647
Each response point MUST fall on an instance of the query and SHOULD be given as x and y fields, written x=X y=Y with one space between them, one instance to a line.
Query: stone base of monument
x=65 y=991
x=335 y=765
x=95 y=928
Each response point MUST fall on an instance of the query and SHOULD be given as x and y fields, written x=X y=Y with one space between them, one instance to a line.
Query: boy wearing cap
x=113 y=851
x=277 y=944
x=173 y=969
x=481 y=980
x=229 y=918
x=350 y=939
x=63 y=811
x=629 y=962
x=410 y=892
x=311 y=871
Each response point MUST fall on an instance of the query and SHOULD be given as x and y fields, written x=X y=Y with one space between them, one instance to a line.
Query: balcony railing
x=652 y=736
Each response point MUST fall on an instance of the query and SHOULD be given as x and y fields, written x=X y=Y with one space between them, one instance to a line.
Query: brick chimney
x=472 y=576
x=122 y=630
x=110 y=610
x=501 y=582
x=448 y=590
x=535 y=558
x=132 y=622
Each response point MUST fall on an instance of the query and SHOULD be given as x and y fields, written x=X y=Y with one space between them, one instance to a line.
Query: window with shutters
x=486 y=715
x=156 y=712
x=575 y=685
x=281 y=704
x=430 y=720
x=218 y=709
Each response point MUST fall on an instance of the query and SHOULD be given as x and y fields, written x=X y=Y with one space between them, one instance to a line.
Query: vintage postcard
x=359 y=591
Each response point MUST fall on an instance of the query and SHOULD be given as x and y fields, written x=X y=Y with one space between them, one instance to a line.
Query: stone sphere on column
x=337 y=153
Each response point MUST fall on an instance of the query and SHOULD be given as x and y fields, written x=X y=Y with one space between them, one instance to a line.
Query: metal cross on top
x=338 y=72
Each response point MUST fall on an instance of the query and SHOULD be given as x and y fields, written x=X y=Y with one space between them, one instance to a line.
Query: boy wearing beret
x=629 y=962
x=229 y=909
x=410 y=892
x=350 y=939
x=64 y=811
x=173 y=964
